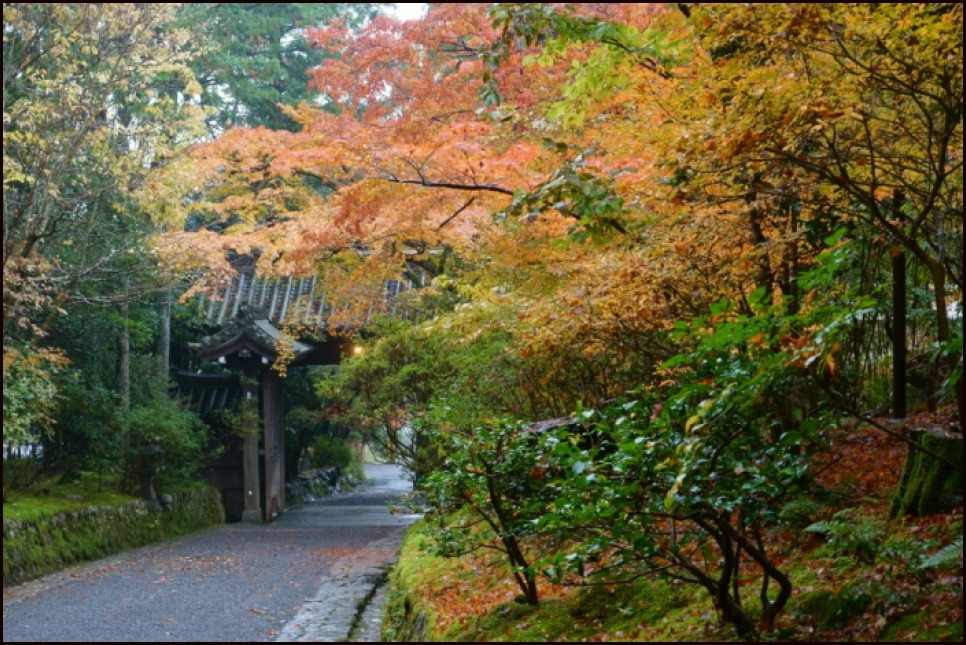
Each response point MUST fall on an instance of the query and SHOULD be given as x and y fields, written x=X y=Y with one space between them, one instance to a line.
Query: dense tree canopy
x=95 y=97
x=256 y=56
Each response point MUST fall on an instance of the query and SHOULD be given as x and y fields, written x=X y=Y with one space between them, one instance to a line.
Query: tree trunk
x=164 y=341
x=899 y=320
x=928 y=485
x=944 y=332
x=124 y=357
x=765 y=279
x=899 y=331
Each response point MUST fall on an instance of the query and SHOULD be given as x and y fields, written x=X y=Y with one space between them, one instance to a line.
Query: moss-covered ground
x=49 y=496
x=858 y=580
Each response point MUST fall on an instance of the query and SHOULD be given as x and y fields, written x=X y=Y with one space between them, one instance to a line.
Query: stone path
x=336 y=613
x=348 y=604
x=305 y=577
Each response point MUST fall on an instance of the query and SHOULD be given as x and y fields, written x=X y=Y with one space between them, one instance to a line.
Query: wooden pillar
x=274 y=444
x=252 y=510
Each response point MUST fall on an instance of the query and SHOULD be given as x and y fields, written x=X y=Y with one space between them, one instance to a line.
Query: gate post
x=252 y=511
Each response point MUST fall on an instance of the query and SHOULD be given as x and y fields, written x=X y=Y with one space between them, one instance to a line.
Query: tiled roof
x=206 y=393
x=289 y=300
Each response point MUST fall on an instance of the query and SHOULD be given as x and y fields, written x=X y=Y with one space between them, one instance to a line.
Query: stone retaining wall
x=318 y=484
x=36 y=547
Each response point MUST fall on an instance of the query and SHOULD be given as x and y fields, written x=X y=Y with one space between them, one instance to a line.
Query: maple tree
x=745 y=148
x=409 y=169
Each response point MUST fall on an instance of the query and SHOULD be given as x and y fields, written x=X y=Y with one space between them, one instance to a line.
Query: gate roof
x=249 y=333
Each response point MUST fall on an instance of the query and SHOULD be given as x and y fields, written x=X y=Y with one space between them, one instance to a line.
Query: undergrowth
x=857 y=576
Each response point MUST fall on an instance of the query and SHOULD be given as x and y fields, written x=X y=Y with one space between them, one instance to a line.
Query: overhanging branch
x=453 y=186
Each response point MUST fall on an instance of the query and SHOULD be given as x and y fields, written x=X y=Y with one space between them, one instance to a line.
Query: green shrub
x=18 y=474
x=329 y=451
x=89 y=432
x=489 y=475
x=167 y=443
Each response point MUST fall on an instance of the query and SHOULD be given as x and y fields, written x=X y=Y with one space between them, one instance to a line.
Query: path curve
x=302 y=577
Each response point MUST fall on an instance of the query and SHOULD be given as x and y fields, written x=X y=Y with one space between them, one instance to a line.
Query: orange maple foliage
x=703 y=196
x=411 y=162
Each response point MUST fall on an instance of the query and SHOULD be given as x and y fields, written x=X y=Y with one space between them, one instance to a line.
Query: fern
x=830 y=528
x=849 y=535
x=945 y=556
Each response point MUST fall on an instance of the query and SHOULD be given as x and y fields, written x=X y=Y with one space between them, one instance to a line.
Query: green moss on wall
x=32 y=548
x=405 y=618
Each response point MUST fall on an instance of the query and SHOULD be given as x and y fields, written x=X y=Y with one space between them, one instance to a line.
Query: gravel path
x=302 y=577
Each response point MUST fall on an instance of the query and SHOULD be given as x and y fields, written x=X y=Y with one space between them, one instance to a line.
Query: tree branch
x=456 y=214
x=453 y=186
